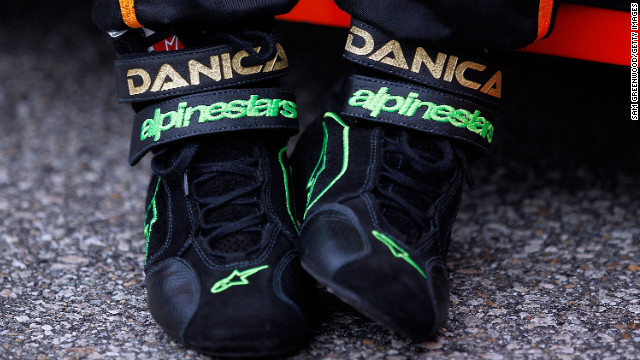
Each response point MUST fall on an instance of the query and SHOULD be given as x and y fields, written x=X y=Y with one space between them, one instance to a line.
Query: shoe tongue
x=221 y=150
x=428 y=161
x=237 y=246
x=231 y=162
x=428 y=148
x=418 y=157
x=236 y=165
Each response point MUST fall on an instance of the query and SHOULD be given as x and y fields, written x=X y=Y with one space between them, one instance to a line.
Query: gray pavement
x=544 y=262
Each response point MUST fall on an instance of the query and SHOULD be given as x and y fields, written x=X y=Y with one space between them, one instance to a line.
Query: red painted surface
x=580 y=32
x=588 y=33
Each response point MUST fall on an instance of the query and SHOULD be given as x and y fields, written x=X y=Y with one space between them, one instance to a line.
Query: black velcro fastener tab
x=212 y=112
x=143 y=77
x=444 y=69
x=419 y=108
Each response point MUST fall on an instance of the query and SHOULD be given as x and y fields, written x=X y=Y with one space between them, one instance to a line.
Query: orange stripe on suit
x=129 y=14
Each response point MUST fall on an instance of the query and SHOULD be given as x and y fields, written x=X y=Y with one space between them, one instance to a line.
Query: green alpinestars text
x=377 y=102
x=181 y=117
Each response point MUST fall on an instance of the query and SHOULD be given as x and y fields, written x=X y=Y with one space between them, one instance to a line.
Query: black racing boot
x=383 y=176
x=222 y=267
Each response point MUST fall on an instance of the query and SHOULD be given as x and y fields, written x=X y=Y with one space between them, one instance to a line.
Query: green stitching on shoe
x=323 y=159
x=148 y=226
x=236 y=278
x=397 y=251
x=287 y=189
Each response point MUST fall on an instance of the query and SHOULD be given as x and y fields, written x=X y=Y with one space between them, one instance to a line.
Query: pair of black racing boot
x=378 y=182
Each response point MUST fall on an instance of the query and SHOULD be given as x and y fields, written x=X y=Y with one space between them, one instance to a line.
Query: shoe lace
x=416 y=172
x=225 y=183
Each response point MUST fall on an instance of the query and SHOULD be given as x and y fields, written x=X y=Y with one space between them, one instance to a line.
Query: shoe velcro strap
x=143 y=77
x=419 y=108
x=212 y=112
x=444 y=69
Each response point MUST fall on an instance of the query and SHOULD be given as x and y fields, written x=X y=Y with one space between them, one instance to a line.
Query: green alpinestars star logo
x=236 y=278
x=150 y=218
x=397 y=251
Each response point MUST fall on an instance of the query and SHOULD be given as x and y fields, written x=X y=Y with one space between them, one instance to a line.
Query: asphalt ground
x=544 y=260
